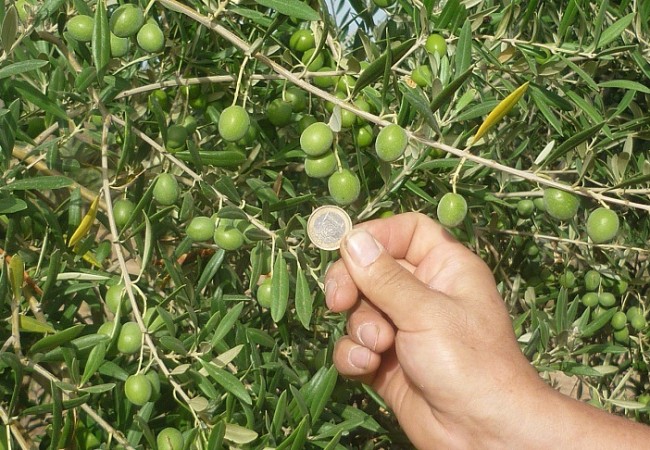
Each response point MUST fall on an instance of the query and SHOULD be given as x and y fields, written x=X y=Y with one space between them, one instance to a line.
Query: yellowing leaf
x=90 y=259
x=16 y=275
x=503 y=108
x=84 y=227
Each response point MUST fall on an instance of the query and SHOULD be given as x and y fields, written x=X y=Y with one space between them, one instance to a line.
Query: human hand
x=428 y=330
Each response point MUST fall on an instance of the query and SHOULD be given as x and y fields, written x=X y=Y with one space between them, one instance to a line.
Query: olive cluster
x=126 y=21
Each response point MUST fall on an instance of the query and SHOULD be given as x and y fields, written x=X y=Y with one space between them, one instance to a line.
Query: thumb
x=407 y=301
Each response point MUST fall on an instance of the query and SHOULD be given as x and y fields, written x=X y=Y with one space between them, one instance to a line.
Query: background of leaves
x=75 y=124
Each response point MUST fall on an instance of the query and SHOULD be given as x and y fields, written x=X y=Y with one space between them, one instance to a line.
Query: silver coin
x=327 y=225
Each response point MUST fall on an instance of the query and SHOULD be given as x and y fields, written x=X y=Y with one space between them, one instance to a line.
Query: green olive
x=126 y=20
x=81 y=28
x=452 y=209
x=561 y=205
x=151 y=38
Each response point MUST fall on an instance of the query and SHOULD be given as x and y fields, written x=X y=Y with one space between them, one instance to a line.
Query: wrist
x=541 y=418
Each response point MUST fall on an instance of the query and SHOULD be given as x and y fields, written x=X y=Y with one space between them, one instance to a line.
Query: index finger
x=412 y=236
x=439 y=259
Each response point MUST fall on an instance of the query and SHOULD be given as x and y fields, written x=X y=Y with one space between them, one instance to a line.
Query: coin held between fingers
x=327 y=225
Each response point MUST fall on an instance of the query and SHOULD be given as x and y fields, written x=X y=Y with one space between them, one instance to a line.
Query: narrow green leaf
x=573 y=368
x=304 y=299
x=147 y=250
x=144 y=202
x=598 y=23
x=201 y=403
x=625 y=84
x=56 y=340
x=451 y=14
x=85 y=78
x=57 y=415
x=601 y=348
x=128 y=145
x=43 y=183
x=210 y=269
x=298 y=407
x=290 y=202
x=141 y=420
x=299 y=436
x=573 y=142
x=45 y=408
x=11 y=205
x=95 y=359
x=291 y=8
x=37 y=98
x=13 y=362
x=568 y=17
x=328 y=430
x=220 y=158
x=627 y=404
x=98 y=388
x=376 y=68
x=173 y=344
x=414 y=188
x=615 y=30
x=584 y=105
x=227 y=187
x=231 y=212
x=228 y=381
x=640 y=61
x=9 y=29
x=279 y=288
x=226 y=324
x=595 y=325
x=589 y=109
x=478 y=110
x=540 y=101
x=101 y=40
x=21 y=67
x=217 y=435
x=624 y=103
x=581 y=73
x=633 y=181
x=80 y=344
x=260 y=337
x=256 y=17
x=279 y=415
x=561 y=305
x=8 y=129
x=321 y=392
x=463 y=54
x=110 y=369
x=449 y=90
x=30 y=325
x=421 y=106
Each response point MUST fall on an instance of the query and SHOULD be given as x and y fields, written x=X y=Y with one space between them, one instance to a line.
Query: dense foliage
x=159 y=161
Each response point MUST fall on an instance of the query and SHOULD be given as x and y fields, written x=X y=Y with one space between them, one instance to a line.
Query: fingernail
x=368 y=334
x=359 y=357
x=362 y=247
x=330 y=291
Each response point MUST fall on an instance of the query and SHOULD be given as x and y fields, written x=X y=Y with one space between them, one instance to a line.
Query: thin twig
x=125 y=273
x=23 y=440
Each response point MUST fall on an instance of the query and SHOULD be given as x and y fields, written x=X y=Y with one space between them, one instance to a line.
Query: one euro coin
x=327 y=225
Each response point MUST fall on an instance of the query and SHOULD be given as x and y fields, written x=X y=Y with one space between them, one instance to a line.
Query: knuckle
x=388 y=277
